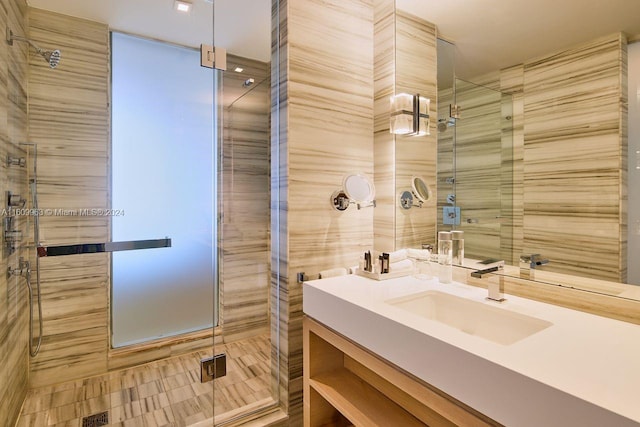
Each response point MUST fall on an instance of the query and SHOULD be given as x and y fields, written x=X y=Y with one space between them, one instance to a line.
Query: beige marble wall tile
x=245 y=266
x=14 y=306
x=574 y=159
x=327 y=112
x=69 y=120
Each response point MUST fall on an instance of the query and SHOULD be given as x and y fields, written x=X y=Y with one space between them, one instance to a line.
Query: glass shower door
x=483 y=170
x=247 y=333
x=162 y=186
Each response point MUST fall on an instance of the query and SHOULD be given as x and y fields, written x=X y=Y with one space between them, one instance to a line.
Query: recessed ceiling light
x=238 y=69
x=182 y=6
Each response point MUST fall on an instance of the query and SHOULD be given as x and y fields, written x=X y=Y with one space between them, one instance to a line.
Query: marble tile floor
x=161 y=393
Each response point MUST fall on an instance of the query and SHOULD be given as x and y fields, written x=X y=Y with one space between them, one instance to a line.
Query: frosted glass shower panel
x=162 y=178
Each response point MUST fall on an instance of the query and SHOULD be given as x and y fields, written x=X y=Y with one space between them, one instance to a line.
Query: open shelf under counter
x=345 y=384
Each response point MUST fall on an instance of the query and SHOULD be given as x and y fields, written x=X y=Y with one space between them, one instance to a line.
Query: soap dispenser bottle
x=457 y=246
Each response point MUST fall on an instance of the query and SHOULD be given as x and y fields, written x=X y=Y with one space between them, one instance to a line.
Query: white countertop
x=584 y=370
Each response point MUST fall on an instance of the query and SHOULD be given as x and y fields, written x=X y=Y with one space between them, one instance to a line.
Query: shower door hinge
x=454 y=111
x=213 y=367
x=213 y=57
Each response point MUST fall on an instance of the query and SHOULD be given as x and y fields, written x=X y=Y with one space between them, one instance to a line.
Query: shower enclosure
x=139 y=144
x=475 y=162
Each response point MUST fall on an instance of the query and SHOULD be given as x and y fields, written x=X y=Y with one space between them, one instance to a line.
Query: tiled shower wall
x=69 y=120
x=246 y=200
x=14 y=357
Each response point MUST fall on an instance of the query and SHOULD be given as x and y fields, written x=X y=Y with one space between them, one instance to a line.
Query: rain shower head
x=51 y=56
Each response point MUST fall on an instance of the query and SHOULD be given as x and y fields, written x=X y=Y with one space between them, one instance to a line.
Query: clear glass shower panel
x=162 y=186
x=483 y=170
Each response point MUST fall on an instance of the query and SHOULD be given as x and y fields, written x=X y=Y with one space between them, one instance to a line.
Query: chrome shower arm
x=11 y=37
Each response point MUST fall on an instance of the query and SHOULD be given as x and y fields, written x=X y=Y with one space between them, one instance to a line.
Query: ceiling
x=489 y=34
x=493 y=34
x=243 y=27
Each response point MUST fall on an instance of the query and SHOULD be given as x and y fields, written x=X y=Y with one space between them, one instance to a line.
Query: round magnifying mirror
x=359 y=188
x=420 y=189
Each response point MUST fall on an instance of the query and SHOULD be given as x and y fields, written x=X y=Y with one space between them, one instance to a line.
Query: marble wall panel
x=14 y=305
x=245 y=236
x=575 y=159
x=69 y=121
x=327 y=112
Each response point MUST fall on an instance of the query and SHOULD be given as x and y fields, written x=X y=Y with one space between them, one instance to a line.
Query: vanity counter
x=583 y=370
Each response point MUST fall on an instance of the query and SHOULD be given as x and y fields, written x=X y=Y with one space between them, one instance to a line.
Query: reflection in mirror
x=562 y=192
x=420 y=189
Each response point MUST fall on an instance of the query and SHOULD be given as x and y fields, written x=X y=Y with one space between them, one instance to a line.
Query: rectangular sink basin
x=472 y=317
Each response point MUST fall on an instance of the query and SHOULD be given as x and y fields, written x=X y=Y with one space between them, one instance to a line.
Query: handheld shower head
x=51 y=56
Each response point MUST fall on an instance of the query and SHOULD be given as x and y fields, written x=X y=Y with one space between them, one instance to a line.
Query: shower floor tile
x=163 y=393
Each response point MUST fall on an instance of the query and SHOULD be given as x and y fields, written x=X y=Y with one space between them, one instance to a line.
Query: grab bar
x=92 y=248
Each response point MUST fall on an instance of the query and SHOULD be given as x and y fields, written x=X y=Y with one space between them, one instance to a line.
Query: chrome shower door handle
x=90 y=248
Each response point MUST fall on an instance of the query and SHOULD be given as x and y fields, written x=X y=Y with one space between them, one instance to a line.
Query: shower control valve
x=16 y=161
x=15 y=201
x=23 y=269
x=12 y=236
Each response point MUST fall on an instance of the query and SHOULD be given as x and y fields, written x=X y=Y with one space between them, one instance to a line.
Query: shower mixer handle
x=13 y=236
x=23 y=269
x=16 y=161
x=15 y=201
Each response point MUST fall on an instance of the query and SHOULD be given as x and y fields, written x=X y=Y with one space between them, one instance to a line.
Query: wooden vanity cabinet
x=345 y=385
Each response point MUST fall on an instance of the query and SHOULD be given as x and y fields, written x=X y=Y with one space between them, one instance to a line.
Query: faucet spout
x=496 y=290
x=529 y=263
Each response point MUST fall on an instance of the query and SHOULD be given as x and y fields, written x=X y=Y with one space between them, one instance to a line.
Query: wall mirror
x=553 y=207
x=359 y=188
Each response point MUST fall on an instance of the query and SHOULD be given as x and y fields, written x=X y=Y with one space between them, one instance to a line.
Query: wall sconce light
x=409 y=115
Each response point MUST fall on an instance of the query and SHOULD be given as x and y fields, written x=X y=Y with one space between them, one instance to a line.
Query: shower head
x=248 y=82
x=51 y=56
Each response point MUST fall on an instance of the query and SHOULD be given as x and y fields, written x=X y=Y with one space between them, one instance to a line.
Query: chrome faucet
x=529 y=264
x=496 y=290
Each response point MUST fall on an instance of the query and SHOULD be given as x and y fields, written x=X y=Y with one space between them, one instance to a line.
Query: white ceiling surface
x=493 y=34
x=243 y=27
x=489 y=34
